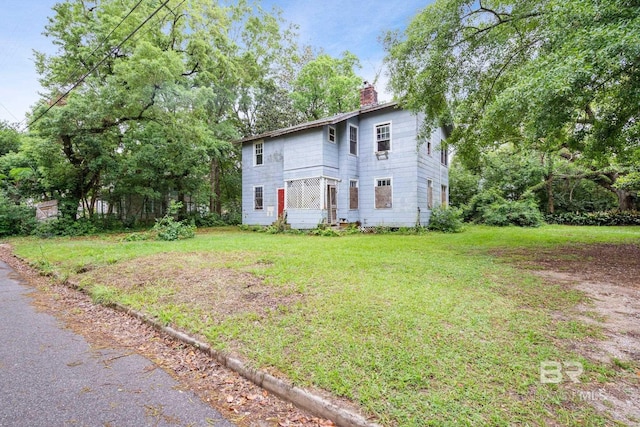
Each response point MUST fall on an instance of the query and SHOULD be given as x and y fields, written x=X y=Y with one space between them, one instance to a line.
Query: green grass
x=418 y=330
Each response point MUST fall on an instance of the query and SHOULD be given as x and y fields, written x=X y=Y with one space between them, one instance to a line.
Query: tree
x=141 y=96
x=9 y=138
x=552 y=75
x=326 y=86
x=513 y=174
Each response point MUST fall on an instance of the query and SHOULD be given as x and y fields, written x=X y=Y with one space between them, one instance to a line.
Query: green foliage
x=168 y=228
x=446 y=219
x=102 y=294
x=595 y=218
x=137 y=237
x=475 y=209
x=325 y=232
x=463 y=184
x=65 y=226
x=629 y=182
x=556 y=76
x=157 y=115
x=9 y=138
x=326 y=86
x=523 y=213
x=15 y=220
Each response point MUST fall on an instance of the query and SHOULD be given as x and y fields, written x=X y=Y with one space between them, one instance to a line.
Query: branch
x=480 y=31
x=503 y=68
x=193 y=71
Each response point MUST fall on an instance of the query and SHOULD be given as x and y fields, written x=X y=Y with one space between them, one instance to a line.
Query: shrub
x=523 y=213
x=595 y=218
x=475 y=209
x=15 y=219
x=168 y=229
x=63 y=226
x=446 y=219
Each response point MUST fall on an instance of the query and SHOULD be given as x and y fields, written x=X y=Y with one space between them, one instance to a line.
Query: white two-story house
x=367 y=167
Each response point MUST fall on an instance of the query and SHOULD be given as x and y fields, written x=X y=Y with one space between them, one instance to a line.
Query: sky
x=331 y=25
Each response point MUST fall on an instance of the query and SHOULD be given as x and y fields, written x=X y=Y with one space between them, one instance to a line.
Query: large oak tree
x=141 y=98
x=554 y=75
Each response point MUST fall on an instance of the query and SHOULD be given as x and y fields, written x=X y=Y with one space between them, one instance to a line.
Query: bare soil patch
x=610 y=276
x=239 y=400
x=200 y=280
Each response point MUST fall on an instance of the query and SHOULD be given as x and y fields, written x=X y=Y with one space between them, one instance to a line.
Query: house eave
x=318 y=123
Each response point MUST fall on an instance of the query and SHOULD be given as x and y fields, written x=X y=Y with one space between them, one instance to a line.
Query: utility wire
x=76 y=84
x=97 y=47
x=114 y=29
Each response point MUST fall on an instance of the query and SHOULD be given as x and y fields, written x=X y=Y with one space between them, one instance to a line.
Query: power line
x=114 y=29
x=76 y=84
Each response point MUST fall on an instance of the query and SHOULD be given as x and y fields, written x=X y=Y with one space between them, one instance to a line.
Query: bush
x=446 y=219
x=15 y=219
x=59 y=227
x=523 y=213
x=168 y=229
x=595 y=218
x=206 y=220
x=475 y=209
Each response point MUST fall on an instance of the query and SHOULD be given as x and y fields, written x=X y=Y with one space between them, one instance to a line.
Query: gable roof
x=319 y=123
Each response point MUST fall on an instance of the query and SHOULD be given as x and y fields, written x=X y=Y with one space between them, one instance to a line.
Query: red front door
x=280 y=202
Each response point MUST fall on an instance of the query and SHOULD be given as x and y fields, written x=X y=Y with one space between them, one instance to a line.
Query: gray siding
x=308 y=153
x=268 y=175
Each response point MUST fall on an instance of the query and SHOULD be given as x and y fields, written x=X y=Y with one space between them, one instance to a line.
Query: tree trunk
x=625 y=200
x=550 y=199
x=215 y=205
x=548 y=182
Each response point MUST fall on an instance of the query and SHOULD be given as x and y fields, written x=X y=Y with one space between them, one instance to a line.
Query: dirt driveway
x=610 y=276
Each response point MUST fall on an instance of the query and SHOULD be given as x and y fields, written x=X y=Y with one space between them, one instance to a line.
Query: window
x=443 y=195
x=257 y=198
x=332 y=134
x=353 y=194
x=444 y=156
x=353 y=140
x=428 y=147
x=258 y=153
x=383 y=137
x=429 y=194
x=384 y=194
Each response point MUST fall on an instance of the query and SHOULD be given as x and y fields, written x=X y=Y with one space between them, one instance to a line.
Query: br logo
x=552 y=372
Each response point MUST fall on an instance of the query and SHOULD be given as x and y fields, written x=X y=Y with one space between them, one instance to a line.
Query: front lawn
x=431 y=329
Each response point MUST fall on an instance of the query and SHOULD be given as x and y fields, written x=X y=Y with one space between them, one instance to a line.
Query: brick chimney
x=368 y=95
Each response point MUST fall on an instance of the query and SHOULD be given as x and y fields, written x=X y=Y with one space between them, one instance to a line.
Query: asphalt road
x=50 y=376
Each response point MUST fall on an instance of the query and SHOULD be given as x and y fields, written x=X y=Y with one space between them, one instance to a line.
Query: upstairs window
x=384 y=193
x=444 y=156
x=258 y=148
x=332 y=134
x=428 y=147
x=383 y=137
x=353 y=140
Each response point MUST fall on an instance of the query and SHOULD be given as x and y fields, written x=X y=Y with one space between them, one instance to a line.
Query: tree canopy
x=327 y=85
x=156 y=87
x=548 y=74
